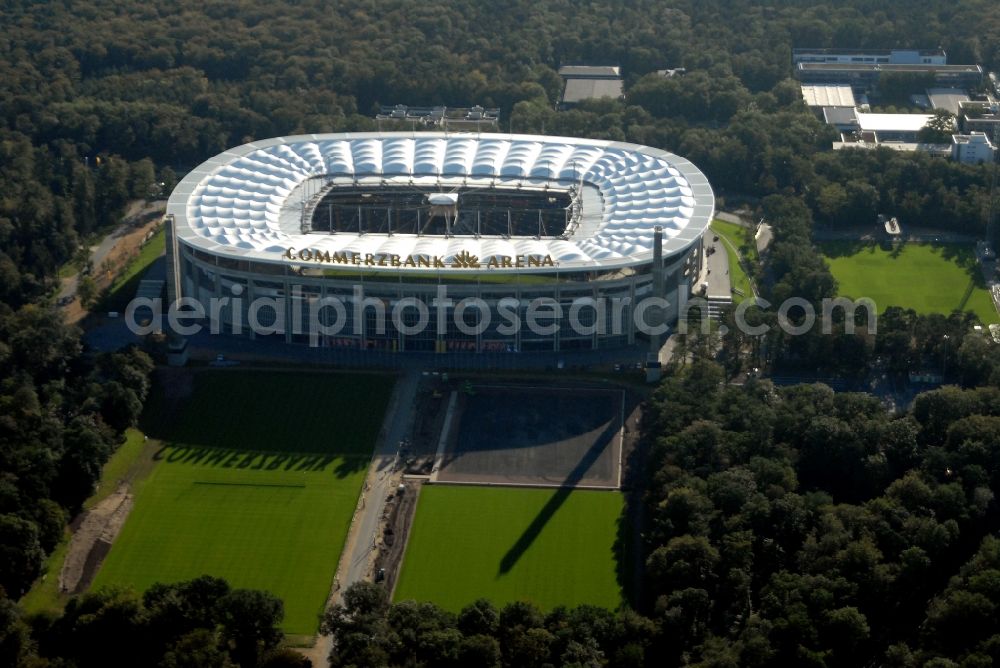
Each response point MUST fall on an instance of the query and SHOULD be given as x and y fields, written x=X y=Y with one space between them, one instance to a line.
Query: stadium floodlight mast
x=991 y=217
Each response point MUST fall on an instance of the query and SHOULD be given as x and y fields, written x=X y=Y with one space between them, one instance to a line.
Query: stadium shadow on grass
x=537 y=525
x=269 y=420
x=531 y=417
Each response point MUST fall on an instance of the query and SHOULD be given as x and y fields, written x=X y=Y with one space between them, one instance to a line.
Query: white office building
x=972 y=149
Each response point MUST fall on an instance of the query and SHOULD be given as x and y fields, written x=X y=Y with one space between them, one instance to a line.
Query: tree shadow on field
x=835 y=249
x=530 y=534
x=343 y=465
x=895 y=249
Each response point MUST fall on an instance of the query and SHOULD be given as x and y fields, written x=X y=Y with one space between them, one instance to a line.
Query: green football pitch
x=550 y=547
x=257 y=484
x=928 y=278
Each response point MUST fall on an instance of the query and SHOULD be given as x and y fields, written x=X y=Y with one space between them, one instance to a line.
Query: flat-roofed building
x=893 y=127
x=946 y=98
x=450 y=118
x=972 y=149
x=845 y=119
x=866 y=75
x=836 y=95
x=979 y=116
x=587 y=82
x=937 y=150
x=873 y=56
x=590 y=71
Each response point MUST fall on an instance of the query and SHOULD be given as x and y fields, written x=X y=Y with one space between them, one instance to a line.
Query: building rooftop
x=590 y=71
x=972 y=138
x=893 y=122
x=850 y=52
x=828 y=96
x=840 y=115
x=946 y=98
x=587 y=89
x=888 y=67
x=941 y=150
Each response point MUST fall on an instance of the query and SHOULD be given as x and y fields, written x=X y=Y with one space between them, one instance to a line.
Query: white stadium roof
x=247 y=202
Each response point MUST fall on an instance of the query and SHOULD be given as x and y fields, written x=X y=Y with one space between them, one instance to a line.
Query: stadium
x=382 y=225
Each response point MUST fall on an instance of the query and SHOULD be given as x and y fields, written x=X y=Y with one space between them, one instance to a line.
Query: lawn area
x=44 y=596
x=257 y=484
x=118 y=466
x=928 y=278
x=550 y=547
x=123 y=288
x=736 y=236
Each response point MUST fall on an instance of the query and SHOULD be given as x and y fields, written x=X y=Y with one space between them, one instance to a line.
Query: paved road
x=355 y=563
x=723 y=247
x=98 y=253
x=867 y=234
x=719 y=283
x=731 y=218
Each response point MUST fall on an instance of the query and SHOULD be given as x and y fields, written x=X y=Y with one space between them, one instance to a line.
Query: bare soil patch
x=93 y=533
x=395 y=527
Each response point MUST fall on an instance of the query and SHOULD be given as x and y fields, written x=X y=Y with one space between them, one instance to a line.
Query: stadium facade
x=480 y=228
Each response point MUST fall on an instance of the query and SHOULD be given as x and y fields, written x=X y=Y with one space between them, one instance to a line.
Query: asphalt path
x=719 y=284
x=98 y=253
x=357 y=558
x=69 y=285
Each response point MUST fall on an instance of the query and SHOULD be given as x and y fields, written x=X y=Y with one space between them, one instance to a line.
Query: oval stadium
x=438 y=242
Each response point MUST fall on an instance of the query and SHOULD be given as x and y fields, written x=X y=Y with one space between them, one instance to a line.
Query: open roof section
x=233 y=204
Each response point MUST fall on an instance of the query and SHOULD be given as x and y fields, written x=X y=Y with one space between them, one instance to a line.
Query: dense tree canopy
x=166 y=86
x=808 y=527
x=202 y=623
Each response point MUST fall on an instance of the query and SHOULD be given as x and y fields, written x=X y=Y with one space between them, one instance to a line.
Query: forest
x=101 y=100
x=786 y=525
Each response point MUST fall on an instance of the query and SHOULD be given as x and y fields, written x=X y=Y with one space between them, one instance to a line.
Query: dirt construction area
x=533 y=435
x=93 y=534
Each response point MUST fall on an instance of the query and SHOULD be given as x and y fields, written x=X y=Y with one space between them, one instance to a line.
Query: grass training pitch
x=928 y=278
x=256 y=483
x=278 y=530
x=550 y=547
